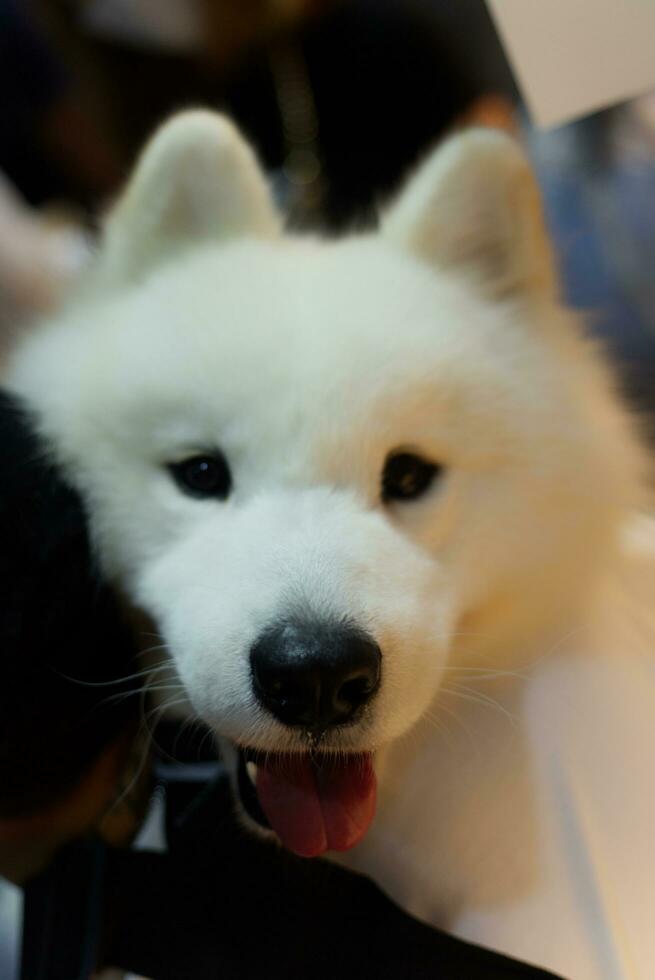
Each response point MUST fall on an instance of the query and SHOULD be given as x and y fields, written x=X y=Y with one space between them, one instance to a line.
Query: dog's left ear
x=474 y=208
x=197 y=179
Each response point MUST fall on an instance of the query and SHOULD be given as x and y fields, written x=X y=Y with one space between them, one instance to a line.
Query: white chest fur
x=520 y=813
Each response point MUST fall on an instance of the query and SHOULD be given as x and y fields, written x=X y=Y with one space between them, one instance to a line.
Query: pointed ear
x=196 y=179
x=474 y=207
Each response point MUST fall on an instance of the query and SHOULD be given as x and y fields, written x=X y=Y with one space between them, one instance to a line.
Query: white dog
x=363 y=487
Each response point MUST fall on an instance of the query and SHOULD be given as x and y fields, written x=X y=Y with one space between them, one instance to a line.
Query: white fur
x=306 y=362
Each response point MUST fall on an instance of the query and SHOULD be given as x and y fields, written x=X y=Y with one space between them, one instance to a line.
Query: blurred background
x=341 y=98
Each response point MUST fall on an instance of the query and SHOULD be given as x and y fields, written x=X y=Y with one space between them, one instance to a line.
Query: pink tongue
x=317 y=806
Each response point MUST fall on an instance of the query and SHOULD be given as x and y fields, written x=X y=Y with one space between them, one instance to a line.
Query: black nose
x=315 y=675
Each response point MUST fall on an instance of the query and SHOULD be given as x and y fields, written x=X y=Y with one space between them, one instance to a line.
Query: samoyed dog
x=379 y=495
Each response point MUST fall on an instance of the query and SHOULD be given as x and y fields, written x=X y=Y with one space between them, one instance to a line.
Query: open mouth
x=314 y=802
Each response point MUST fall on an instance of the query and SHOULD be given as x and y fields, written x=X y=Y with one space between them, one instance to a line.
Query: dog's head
x=323 y=467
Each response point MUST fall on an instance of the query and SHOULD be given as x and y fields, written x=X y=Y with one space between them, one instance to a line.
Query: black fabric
x=62 y=916
x=59 y=630
x=222 y=897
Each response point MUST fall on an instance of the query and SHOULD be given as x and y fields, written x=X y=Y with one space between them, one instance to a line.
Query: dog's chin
x=312 y=801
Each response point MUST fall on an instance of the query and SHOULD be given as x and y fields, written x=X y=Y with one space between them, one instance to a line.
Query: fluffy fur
x=307 y=362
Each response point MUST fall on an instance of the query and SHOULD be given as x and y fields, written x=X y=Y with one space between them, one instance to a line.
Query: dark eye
x=406 y=476
x=203 y=476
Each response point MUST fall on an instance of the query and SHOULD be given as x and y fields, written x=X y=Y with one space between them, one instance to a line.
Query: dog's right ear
x=196 y=180
x=473 y=208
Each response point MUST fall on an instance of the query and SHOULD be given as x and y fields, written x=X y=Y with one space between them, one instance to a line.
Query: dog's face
x=318 y=464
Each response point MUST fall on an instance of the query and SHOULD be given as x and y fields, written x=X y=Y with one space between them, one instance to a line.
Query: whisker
x=124 y=695
x=477 y=697
x=118 y=680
